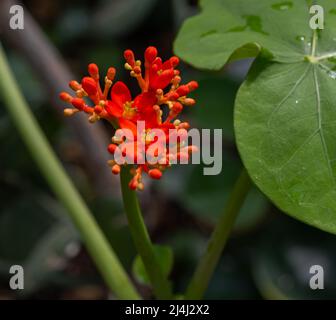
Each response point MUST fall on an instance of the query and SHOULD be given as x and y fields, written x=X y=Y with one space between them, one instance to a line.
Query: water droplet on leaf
x=300 y=38
x=332 y=74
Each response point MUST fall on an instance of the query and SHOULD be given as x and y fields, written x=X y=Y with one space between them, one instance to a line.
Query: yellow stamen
x=94 y=118
x=69 y=112
x=128 y=66
x=129 y=111
x=108 y=84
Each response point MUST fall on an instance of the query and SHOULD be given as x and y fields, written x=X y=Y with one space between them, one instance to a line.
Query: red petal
x=65 y=97
x=120 y=93
x=166 y=127
x=129 y=57
x=112 y=148
x=162 y=81
x=150 y=118
x=193 y=85
x=167 y=65
x=158 y=62
x=93 y=70
x=114 y=109
x=171 y=63
x=183 y=90
x=155 y=173
x=78 y=103
x=89 y=85
x=151 y=54
x=127 y=124
x=111 y=72
x=174 y=61
x=143 y=100
x=116 y=169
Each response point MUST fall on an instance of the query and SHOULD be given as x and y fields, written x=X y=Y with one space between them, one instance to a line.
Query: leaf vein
x=298 y=149
x=281 y=103
x=320 y=126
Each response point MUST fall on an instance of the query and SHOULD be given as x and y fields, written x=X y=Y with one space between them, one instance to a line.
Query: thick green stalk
x=160 y=283
x=207 y=265
x=97 y=245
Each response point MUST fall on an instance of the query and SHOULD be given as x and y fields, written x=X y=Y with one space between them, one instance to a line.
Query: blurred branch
x=113 y=18
x=50 y=67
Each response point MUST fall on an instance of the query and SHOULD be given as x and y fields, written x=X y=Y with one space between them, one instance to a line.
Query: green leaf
x=285 y=111
x=231 y=30
x=287 y=138
x=164 y=254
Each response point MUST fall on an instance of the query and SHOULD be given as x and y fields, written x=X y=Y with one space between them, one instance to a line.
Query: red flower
x=120 y=109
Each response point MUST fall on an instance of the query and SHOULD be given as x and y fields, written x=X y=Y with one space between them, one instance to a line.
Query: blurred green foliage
x=269 y=254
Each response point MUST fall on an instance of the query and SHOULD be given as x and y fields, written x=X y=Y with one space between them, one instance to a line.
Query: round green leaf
x=232 y=30
x=285 y=128
x=285 y=111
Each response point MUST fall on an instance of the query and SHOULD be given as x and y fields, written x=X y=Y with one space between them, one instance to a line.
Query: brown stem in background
x=52 y=70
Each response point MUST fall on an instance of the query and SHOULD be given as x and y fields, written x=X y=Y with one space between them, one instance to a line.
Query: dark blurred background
x=269 y=254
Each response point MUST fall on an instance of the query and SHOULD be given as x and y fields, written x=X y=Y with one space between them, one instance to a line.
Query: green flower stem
x=97 y=245
x=206 y=267
x=160 y=283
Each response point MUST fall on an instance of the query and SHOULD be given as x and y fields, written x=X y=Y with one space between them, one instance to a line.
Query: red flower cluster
x=125 y=112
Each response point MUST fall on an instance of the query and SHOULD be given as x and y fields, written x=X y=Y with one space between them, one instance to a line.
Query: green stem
x=51 y=168
x=161 y=285
x=218 y=239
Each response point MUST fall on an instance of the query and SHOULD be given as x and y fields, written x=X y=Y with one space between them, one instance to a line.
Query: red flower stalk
x=124 y=111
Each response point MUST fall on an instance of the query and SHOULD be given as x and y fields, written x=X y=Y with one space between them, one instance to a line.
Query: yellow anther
x=128 y=66
x=177 y=122
x=140 y=186
x=111 y=163
x=108 y=82
x=94 y=118
x=69 y=112
x=116 y=139
x=129 y=110
x=81 y=93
